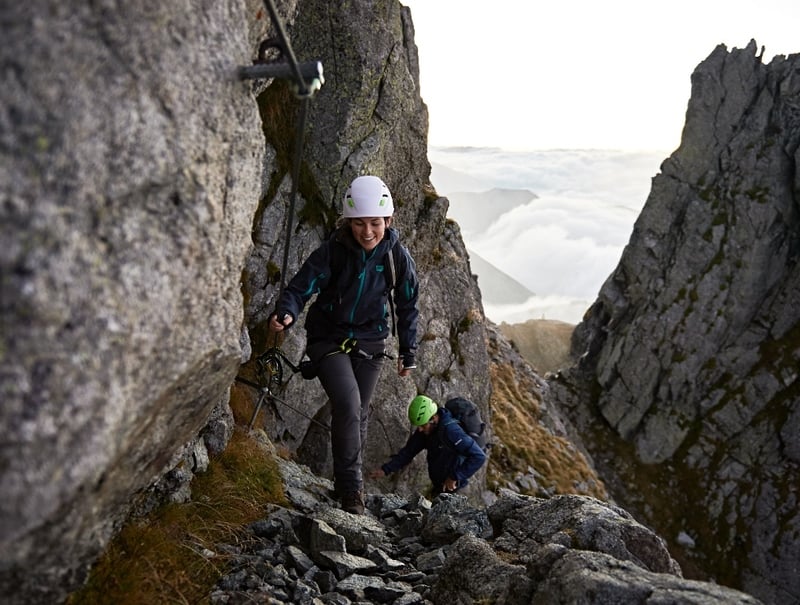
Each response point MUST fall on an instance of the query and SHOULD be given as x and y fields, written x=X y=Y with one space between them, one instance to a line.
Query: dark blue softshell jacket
x=451 y=452
x=354 y=303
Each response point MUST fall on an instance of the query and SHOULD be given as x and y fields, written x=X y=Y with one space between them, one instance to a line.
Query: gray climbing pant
x=349 y=381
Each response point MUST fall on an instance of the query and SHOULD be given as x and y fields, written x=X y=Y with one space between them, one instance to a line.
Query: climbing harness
x=349 y=346
x=269 y=369
x=307 y=79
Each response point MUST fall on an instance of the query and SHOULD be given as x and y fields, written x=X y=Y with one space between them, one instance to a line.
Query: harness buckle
x=348 y=344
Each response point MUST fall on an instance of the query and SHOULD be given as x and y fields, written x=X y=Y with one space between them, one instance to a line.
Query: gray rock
x=301 y=499
x=474 y=572
x=382 y=559
x=410 y=598
x=300 y=560
x=583 y=523
x=324 y=538
x=451 y=517
x=129 y=172
x=430 y=561
x=343 y=564
x=688 y=359
x=386 y=593
x=574 y=549
x=219 y=428
x=355 y=585
x=597 y=579
x=358 y=531
x=324 y=578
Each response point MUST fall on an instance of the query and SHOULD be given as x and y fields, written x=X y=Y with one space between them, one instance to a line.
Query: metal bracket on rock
x=311 y=72
x=307 y=77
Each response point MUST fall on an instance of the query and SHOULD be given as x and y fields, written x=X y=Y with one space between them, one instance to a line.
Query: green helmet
x=421 y=410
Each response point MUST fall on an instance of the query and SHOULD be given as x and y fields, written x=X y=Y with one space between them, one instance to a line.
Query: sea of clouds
x=564 y=243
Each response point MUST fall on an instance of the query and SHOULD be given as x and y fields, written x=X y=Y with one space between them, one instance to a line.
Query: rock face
x=368 y=118
x=129 y=174
x=687 y=390
x=405 y=551
x=142 y=218
x=143 y=201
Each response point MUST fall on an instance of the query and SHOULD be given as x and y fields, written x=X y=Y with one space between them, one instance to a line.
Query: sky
x=578 y=74
x=564 y=243
x=523 y=78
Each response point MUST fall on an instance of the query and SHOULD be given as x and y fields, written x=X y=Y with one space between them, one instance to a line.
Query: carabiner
x=270 y=370
x=348 y=344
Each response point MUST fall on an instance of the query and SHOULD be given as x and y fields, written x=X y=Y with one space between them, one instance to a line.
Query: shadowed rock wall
x=129 y=173
x=368 y=118
x=687 y=388
x=143 y=192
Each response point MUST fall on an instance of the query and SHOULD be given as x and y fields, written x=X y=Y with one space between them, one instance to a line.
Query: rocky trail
x=402 y=551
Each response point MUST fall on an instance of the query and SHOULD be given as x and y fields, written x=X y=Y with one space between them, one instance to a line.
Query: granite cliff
x=686 y=385
x=144 y=189
x=144 y=192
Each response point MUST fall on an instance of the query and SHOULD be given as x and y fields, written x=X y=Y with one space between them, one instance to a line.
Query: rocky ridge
x=144 y=191
x=407 y=551
x=686 y=389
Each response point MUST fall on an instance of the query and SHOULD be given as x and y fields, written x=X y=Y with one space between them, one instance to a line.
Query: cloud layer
x=563 y=244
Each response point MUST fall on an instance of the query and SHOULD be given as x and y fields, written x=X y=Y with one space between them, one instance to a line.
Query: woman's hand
x=278 y=326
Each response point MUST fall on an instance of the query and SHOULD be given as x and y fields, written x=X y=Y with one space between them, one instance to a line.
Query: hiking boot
x=353 y=502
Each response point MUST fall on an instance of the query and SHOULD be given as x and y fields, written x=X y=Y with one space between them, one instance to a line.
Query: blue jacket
x=451 y=452
x=354 y=303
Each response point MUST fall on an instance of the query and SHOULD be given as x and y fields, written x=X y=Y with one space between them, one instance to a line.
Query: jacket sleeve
x=414 y=445
x=312 y=277
x=406 y=298
x=470 y=455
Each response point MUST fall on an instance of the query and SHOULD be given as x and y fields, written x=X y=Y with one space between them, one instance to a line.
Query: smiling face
x=369 y=232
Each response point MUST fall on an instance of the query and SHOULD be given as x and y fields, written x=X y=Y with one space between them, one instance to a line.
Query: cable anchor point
x=308 y=72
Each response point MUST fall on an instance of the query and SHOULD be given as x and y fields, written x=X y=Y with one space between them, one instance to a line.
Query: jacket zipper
x=361 y=278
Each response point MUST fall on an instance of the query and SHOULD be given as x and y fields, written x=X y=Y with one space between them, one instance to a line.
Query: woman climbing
x=353 y=274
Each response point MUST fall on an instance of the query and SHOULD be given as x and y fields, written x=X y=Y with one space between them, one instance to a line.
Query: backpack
x=467 y=414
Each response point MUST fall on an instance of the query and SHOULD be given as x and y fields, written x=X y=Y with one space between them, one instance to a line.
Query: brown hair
x=343 y=221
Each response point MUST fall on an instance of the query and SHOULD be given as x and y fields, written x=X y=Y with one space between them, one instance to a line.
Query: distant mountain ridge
x=446 y=180
x=476 y=211
x=496 y=286
x=544 y=343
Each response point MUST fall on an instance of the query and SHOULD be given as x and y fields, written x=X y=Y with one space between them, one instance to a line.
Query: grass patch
x=173 y=555
x=524 y=443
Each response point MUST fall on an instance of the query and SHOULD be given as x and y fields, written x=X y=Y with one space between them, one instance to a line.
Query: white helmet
x=366 y=197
